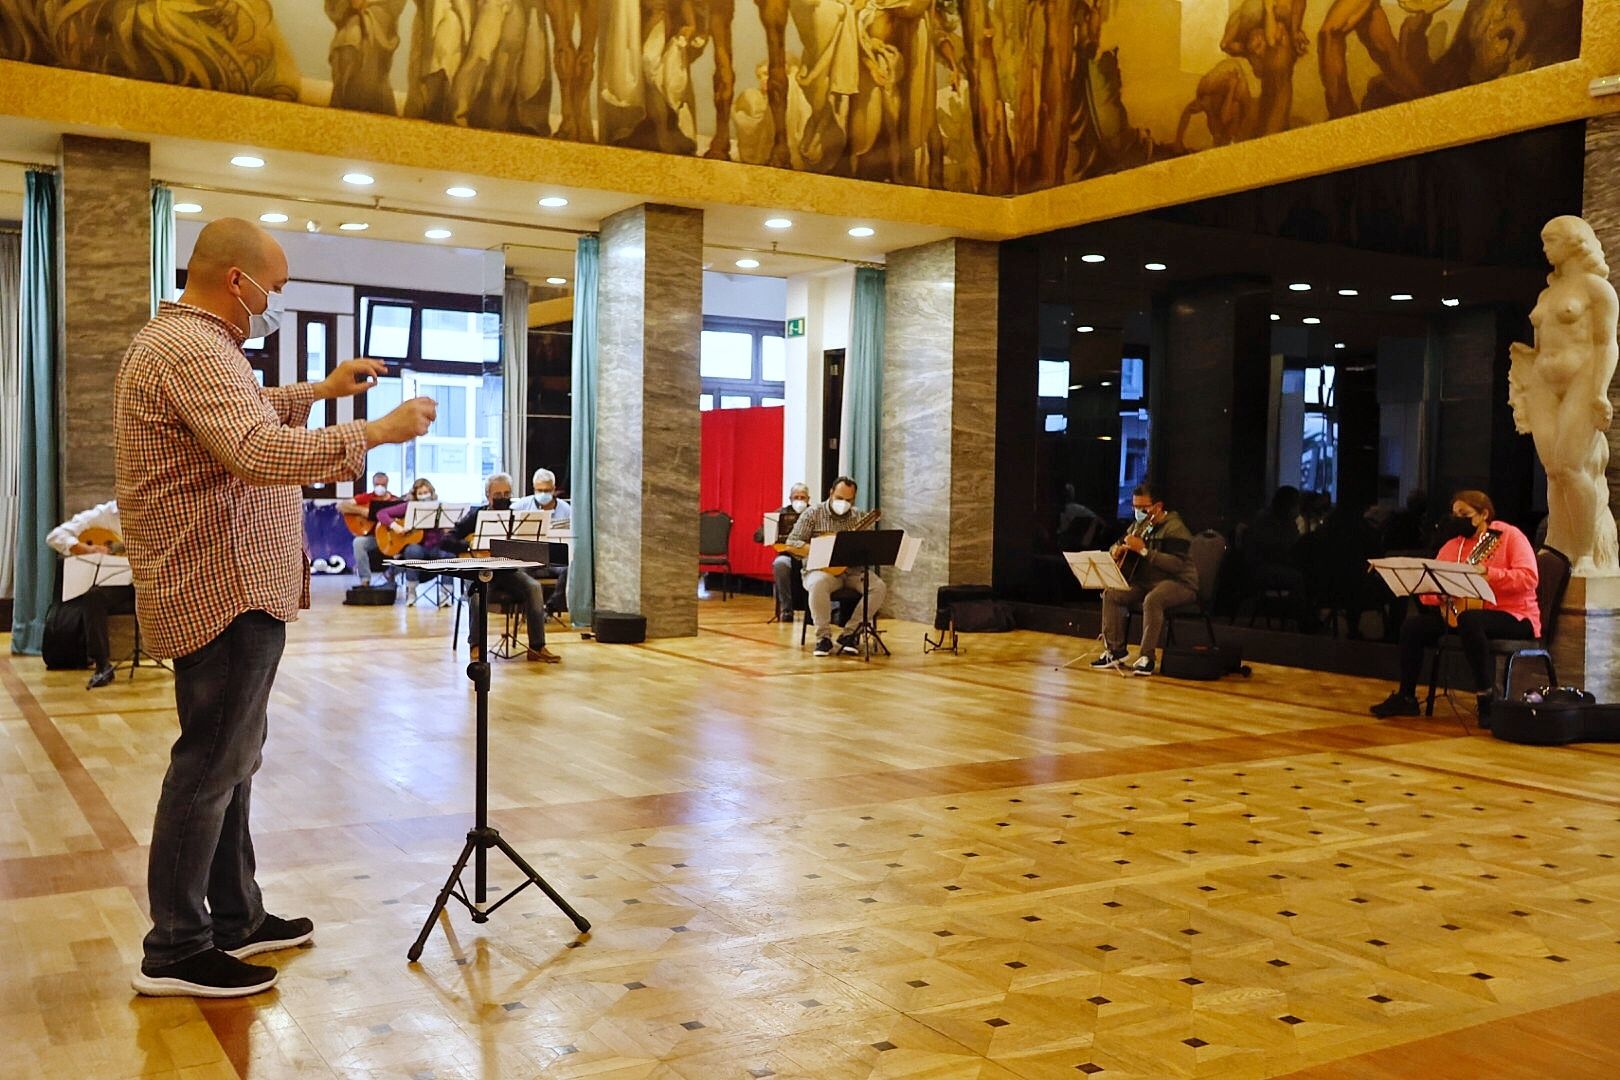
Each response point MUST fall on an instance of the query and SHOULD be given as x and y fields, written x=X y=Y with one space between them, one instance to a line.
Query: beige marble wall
x=937 y=470
x=649 y=318
x=106 y=276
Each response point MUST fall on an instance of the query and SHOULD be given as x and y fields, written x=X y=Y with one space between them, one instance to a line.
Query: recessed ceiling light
x=1093 y=258
x=748 y=264
x=1450 y=301
x=437 y=234
x=1084 y=329
x=1276 y=317
x=556 y=281
x=861 y=232
x=1300 y=286
x=1310 y=320
x=553 y=201
x=1338 y=344
x=354 y=226
x=778 y=223
x=1400 y=296
x=1349 y=292
x=1105 y=438
x=247 y=161
x=272 y=218
x=187 y=208
x=1154 y=266
x=1105 y=382
x=460 y=192
x=358 y=179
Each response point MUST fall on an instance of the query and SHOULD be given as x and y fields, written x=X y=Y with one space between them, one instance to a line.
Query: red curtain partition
x=742 y=475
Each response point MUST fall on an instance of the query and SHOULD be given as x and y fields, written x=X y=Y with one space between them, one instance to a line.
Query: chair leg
x=1209 y=628
x=1434 y=679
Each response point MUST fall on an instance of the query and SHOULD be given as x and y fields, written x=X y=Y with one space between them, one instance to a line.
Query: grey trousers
x=821 y=585
x=1152 y=602
x=782 y=571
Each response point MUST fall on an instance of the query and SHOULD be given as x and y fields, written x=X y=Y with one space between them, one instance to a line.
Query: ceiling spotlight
x=748 y=264
x=187 y=208
x=1105 y=382
x=1276 y=317
x=354 y=226
x=1105 y=438
x=358 y=179
x=778 y=223
x=1310 y=320
x=1300 y=286
x=1084 y=329
x=1154 y=266
x=1093 y=258
x=861 y=232
x=1400 y=296
x=247 y=161
x=1349 y=292
x=460 y=192
x=556 y=281
x=1450 y=301
x=1338 y=344
x=437 y=234
x=552 y=202
x=272 y=218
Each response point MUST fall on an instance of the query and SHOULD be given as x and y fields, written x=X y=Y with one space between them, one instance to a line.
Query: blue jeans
x=200 y=874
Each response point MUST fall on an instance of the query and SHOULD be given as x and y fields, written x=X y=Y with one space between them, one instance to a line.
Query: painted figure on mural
x=504 y=81
x=1559 y=391
x=892 y=132
x=831 y=79
x=1101 y=136
x=22 y=33
x=1226 y=104
x=439 y=39
x=362 y=53
x=1365 y=19
x=758 y=133
x=1269 y=34
x=574 y=61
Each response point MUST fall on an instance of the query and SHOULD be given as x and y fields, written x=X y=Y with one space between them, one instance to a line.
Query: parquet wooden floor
x=926 y=867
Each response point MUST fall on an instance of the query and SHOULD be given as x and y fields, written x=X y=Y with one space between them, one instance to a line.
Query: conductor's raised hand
x=351 y=377
x=410 y=420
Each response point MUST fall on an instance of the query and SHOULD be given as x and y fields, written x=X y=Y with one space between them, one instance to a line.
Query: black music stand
x=482 y=836
x=867 y=548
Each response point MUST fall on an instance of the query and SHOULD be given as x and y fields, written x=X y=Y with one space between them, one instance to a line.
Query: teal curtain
x=162 y=245
x=582 y=439
x=40 y=339
x=863 y=387
x=515 y=380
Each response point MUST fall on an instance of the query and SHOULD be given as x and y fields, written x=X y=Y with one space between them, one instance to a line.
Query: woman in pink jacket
x=1511 y=571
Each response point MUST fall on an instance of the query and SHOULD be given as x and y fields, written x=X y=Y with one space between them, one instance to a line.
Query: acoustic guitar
x=95 y=534
x=392 y=543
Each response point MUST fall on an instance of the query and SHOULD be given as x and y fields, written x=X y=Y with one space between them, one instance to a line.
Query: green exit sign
x=795 y=328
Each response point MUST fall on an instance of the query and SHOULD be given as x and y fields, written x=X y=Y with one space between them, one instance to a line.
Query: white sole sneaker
x=147 y=986
x=268 y=946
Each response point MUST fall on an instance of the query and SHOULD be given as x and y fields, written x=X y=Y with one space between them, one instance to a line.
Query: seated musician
x=516 y=586
x=784 y=566
x=562 y=520
x=1157 y=555
x=432 y=543
x=835 y=515
x=1511 y=572
x=367 y=560
x=97 y=603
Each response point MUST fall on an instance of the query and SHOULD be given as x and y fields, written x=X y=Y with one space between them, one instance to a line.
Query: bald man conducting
x=209 y=472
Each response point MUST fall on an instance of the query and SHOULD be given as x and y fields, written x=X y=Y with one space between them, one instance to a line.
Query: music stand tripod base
x=482 y=837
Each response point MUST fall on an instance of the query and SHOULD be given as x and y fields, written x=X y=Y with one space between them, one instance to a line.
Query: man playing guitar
x=362 y=521
x=837 y=514
x=96 y=531
x=1510 y=569
x=1156 y=559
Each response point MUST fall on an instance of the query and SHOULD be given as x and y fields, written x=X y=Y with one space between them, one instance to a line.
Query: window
x=317 y=340
x=387 y=329
x=1319 y=448
x=742 y=363
x=1053 y=380
x=466 y=337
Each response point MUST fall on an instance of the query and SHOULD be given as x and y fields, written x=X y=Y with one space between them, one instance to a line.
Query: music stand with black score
x=482 y=836
x=865 y=548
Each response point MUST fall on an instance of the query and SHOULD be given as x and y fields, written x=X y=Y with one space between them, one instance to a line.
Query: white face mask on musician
x=800 y=504
x=379 y=489
x=839 y=506
x=1141 y=514
x=543 y=497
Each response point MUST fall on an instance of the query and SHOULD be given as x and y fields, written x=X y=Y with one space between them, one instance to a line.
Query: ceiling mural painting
x=987 y=96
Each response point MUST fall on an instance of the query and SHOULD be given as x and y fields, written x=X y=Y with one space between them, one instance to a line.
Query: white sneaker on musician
x=1143 y=665
x=378 y=581
x=410 y=594
x=1108 y=660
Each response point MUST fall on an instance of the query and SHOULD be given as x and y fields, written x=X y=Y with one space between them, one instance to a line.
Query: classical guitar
x=95 y=534
x=363 y=523
x=1127 y=559
x=1453 y=606
x=392 y=543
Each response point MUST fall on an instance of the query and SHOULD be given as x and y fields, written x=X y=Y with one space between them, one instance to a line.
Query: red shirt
x=1510 y=569
x=210 y=468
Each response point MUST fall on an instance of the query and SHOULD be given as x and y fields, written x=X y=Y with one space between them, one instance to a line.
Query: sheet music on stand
x=510 y=525
x=1408 y=576
x=81 y=573
x=1095 y=570
x=821 y=550
x=432 y=515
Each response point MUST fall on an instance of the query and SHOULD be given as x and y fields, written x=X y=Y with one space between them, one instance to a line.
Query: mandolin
x=95 y=534
x=1453 y=606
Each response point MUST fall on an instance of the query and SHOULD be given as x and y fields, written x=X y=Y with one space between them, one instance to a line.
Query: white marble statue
x=1559 y=390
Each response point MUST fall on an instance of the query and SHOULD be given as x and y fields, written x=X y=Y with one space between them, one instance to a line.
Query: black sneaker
x=1397 y=704
x=1484 y=702
x=1143 y=666
x=102 y=677
x=274 y=933
x=211 y=974
x=848 y=644
x=824 y=646
x=1108 y=659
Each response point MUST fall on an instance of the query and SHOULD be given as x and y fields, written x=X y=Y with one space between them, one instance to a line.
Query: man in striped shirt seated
x=835 y=515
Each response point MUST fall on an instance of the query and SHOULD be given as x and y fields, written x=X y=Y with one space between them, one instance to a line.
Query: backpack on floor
x=1202 y=662
x=63 y=646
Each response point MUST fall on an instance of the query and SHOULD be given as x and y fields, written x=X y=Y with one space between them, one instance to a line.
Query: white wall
x=823 y=300
x=743 y=296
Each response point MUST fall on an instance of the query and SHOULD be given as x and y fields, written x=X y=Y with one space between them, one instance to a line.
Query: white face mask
x=839 y=506
x=543 y=497
x=800 y=504
x=1141 y=514
x=380 y=489
x=267 y=321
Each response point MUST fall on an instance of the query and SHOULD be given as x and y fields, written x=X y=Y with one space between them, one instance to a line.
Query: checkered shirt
x=209 y=472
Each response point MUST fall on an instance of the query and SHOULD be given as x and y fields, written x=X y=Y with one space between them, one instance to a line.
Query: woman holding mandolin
x=1505 y=557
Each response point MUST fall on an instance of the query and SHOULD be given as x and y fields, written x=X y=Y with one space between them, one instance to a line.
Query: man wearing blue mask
x=562 y=520
x=1156 y=558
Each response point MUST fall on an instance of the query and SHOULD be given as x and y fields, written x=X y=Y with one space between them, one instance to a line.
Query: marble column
x=106 y=286
x=649 y=313
x=938 y=446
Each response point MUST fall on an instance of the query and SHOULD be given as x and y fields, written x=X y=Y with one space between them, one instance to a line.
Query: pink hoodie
x=1510 y=569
